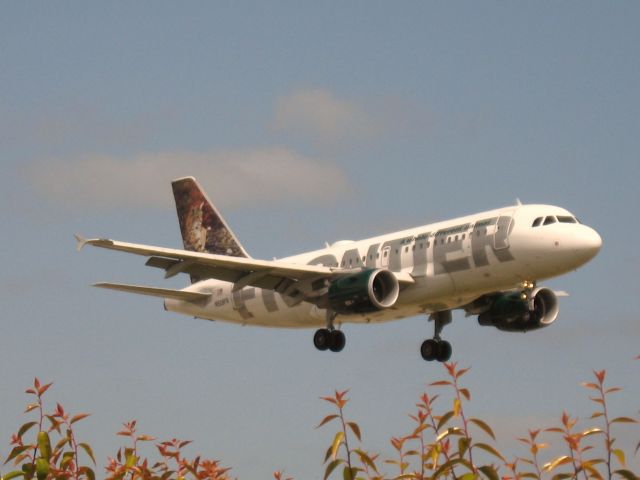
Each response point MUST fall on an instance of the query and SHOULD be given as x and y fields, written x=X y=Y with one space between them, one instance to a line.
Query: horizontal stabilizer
x=155 y=292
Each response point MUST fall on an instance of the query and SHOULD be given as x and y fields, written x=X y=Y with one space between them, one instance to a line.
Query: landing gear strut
x=436 y=348
x=329 y=338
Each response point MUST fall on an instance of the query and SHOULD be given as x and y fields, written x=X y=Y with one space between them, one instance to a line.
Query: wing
x=155 y=292
x=286 y=278
x=305 y=282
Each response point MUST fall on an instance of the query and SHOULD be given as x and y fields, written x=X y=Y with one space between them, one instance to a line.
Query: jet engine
x=511 y=313
x=363 y=292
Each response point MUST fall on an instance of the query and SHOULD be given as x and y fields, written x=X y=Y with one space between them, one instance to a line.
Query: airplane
x=487 y=264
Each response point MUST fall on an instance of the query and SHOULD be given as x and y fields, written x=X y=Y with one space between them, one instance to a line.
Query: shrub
x=446 y=444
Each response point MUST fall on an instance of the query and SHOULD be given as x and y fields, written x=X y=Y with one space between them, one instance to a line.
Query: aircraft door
x=501 y=235
x=386 y=251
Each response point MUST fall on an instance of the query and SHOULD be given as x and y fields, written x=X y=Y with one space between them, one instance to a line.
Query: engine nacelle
x=510 y=313
x=363 y=292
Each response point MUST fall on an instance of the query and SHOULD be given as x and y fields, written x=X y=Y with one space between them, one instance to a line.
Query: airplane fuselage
x=442 y=266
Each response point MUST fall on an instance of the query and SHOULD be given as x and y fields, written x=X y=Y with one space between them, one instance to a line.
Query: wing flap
x=155 y=292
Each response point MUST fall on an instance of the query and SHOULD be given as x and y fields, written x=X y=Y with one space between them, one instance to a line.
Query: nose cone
x=586 y=244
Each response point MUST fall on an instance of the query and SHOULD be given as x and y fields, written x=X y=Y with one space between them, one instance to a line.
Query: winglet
x=80 y=241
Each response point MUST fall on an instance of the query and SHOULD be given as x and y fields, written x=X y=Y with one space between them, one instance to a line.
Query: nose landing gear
x=436 y=348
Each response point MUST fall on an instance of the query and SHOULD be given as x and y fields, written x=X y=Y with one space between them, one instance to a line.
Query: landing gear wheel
x=444 y=351
x=429 y=350
x=322 y=339
x=336 y=341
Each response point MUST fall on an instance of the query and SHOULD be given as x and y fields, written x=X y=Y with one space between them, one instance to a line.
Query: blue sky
x=340 y=121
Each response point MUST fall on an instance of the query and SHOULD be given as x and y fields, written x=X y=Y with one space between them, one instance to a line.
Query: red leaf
x=44 y=388
x=78 y=417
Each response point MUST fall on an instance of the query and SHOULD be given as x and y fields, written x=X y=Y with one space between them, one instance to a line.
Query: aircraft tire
x=429 y=350
x=337 y=340
x=322 y=339
x=444 y=351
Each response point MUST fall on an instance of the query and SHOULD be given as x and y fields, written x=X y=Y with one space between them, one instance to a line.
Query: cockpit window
x=566 y=219
x=537 y=222
x=549 y=220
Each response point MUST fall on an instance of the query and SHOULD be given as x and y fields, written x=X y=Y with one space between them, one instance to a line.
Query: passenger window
x=537 y=222
x=385 y=253
x=406 y=249
x=549 y=220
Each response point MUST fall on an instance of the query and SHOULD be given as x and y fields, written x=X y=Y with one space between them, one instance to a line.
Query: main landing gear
x=436 y=348
x=329 y=338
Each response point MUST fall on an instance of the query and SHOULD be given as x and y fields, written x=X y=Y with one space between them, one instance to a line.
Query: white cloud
x=317 y=114
x=232 y=178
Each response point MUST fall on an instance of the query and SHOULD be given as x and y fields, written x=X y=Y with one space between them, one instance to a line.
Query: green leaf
x=366 y=459
x=489 y=472
x=447 y=467
x=88 y=451
x=44 y=445
x=444 y=420
x=25 y=428
x=16 y=451
x=556 y=463
x=626 y=474
x=87 y=472
x=336 y=444
x=14 y=474
x=623 y=420
x=327 y=419
x=456 y=407
x=591 y=431
x=356 y=429
x=347 y=474
x=28 y=470
x=463 y=446
x=450 y=431
x=405 y=476
x=331 y=467
x=489 y=449
x=468 y=476
x=327 y=455
x=42 y=468
x=131 y=460
x=484 y=426
x=66 y=458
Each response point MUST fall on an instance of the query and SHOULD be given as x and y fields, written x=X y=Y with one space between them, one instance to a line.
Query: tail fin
x=203 y=228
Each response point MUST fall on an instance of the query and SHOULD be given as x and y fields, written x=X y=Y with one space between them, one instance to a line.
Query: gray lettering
x=239 y=299
x=481 y=239
x=445 y=242
x=269 y=300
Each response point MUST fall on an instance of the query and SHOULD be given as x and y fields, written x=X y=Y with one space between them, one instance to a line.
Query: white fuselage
x=449 y=264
